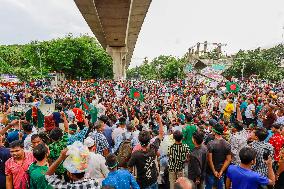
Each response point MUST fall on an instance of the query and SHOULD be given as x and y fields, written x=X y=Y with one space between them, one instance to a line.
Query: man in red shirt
x=79 y=117
x=17 y=166
x=277 y=140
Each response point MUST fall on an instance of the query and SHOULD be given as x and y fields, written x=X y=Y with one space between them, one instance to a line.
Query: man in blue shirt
x=4 y=156
x=243 y=177
x=243 y=107
x=107 y=131
x=118 y=178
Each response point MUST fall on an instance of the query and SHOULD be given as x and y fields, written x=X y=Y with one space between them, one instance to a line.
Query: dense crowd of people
x=167 y=134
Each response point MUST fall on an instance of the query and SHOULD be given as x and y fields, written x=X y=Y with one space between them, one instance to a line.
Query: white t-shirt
x=222 y=105
x=96 y=167
x=28 y=141
x=248 y=112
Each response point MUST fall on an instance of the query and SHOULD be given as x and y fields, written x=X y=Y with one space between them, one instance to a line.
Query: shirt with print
x=245 y=178
x=219 y=148
x=277 y=141
x=100 y=141
x=260 y=165
x=37 y=177
x=144 y=161
x=78 y=114
x=177 y=155
x=248 y=113
x=120 y=179
x=238 y=140
x=55 y=149
x=79 y=136
x=80 y=184
x=19 y=172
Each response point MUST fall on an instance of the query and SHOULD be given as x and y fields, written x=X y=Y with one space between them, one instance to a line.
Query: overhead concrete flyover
x=116 y=24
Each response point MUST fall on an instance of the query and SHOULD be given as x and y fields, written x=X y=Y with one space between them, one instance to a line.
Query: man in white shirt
x=101 y=108
x=120 y=129
x=222 y=106
x=29 y=130
x=250 y=112
x=96 y=166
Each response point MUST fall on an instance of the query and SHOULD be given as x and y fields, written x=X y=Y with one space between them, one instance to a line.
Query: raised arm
x=65 y=121
x=161 y=127
x=5 y=129
x=51 y=170
x=271 y=175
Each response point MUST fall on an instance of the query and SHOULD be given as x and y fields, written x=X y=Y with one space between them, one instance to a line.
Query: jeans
x=211 y=181
x=153 y=186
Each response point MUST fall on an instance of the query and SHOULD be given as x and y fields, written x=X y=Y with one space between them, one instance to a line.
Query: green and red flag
x=78 y=103
x=232 y=87
x=85 y=104
x=136 y=94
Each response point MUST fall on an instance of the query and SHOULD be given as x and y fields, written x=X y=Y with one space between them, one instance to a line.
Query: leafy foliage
x=262 y=62
x=76 y=57
x=162 y=67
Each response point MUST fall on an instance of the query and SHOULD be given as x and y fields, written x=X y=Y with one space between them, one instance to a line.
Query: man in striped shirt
x=177 y=156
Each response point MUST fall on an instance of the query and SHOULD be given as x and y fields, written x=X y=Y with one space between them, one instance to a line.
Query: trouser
x=211 y=181
x=200 y=185
x=173 y=176
x=153 y=186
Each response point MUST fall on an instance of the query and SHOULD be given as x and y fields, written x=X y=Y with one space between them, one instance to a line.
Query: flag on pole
x=78 y=103
x=85 y=104
x=232 y=87
x=136 y=94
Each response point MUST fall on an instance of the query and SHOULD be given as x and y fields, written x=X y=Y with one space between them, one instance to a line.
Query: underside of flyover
x=116 y=24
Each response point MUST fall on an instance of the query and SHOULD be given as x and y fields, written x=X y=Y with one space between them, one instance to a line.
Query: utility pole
x=39 y=55
x=243 y=64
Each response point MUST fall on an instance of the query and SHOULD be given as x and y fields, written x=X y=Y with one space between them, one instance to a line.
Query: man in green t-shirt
x=188 y=131
x=38 y=169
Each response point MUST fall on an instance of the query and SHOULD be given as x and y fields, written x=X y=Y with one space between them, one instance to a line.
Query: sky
x=170 y=27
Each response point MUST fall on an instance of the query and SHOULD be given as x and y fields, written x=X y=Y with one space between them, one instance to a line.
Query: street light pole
x=243 y=71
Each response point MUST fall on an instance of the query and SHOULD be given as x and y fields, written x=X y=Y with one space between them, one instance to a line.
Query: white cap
x=89 y=142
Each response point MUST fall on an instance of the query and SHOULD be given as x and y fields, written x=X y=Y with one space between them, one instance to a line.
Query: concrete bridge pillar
x=119 y=64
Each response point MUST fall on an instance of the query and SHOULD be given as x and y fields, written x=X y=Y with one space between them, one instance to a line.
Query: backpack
x=124 y=151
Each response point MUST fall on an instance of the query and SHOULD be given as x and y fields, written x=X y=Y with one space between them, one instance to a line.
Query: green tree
x=75 y=56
